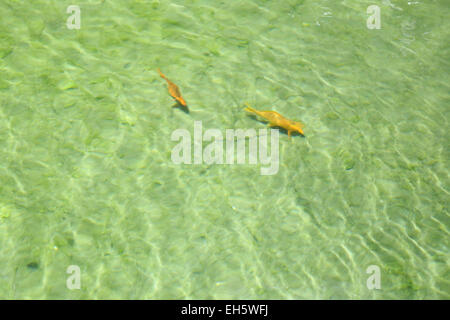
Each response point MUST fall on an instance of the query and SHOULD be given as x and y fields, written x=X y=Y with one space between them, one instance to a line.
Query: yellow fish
x=277 y=120
x=173 y=90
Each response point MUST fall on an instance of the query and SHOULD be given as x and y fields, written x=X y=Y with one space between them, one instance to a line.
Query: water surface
x=85 y=159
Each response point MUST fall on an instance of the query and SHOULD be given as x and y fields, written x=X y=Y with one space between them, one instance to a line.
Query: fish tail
x=161 y=74
x=250 y=109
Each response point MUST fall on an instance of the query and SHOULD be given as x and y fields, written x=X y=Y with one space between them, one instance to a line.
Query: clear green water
x=86 y=176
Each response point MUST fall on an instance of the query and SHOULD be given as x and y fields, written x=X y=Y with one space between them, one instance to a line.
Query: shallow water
x=85 y=160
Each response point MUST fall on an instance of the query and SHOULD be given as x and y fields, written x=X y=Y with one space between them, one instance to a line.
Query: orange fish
x=277 y=120
x=173 y=90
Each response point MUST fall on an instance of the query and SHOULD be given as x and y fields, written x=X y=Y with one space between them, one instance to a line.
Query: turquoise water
x=85 y=161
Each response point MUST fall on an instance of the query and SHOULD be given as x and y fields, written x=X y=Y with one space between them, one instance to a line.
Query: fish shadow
x=178 y=105
x=282 y=130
